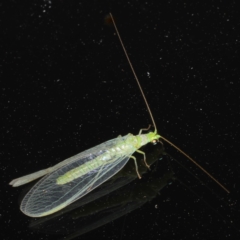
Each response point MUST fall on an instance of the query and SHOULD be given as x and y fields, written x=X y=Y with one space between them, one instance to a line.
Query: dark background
x=66 y=86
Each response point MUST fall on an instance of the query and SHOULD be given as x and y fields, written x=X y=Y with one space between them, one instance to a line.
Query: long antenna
x=150 y=113
x=181 y=151
x=135 y=75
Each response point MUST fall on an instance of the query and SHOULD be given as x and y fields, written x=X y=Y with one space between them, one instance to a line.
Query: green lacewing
x=78 y=175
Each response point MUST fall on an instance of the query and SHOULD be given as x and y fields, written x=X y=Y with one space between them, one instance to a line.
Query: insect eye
x=154 y=141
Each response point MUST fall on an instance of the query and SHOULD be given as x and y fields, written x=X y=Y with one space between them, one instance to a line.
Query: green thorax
x=142 y=139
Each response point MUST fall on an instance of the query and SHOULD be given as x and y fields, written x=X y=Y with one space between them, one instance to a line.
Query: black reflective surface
x=66 y=87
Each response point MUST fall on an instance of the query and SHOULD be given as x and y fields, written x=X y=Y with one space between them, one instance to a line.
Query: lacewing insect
x=78 y=175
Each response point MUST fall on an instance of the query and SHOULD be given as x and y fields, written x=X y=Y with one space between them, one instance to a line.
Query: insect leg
x=135 y=161
x=144 y=129
x=144 y=157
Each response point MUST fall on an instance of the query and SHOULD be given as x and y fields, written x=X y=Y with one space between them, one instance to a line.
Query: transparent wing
x=97 y=150
x=47 y=197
